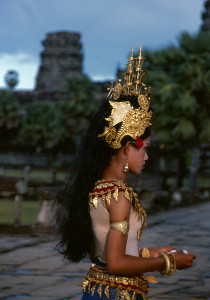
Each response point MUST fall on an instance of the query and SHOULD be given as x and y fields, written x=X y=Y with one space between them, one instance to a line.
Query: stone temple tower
x=62 y=57
x=206 y=16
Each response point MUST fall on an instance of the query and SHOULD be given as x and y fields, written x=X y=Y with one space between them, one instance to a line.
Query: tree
x=10 y=118
x=11 y=79
x=180 y=80
x=9 y=110
x=78 y=104
x=47 y=125
x=41 y=125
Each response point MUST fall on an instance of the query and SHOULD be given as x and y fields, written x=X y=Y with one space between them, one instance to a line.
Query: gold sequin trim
x=112 y=190
x=137 y=285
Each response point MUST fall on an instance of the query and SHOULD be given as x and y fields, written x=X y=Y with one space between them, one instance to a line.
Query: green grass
x=203 y=182
x=37 y=175
x=30 y=210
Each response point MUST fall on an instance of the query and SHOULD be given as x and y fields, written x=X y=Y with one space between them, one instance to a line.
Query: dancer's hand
x=154 y=252
x=184 y=259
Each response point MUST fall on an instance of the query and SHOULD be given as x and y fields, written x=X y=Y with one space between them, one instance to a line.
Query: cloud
x=102 y=78
x=26 y=66
x=109 y=28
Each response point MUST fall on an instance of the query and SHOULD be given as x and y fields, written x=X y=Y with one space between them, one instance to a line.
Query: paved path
x=32 y=270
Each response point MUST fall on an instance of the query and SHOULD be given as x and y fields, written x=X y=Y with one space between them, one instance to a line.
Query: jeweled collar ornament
x=134 y=120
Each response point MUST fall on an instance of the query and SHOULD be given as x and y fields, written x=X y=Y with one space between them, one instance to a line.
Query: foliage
x=10 y=119
x=42 y=124
x=10 y=113
x=11 y=79
x=180 y=80
x=77 y=104
x=49 y=125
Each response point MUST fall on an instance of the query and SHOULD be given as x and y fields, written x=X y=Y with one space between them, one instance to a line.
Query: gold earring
x=126 y=168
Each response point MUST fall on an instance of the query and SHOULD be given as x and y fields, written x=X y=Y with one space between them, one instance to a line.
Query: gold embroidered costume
x=124 y=284
x=131 y=119
x=103 y=193
x=106 y=189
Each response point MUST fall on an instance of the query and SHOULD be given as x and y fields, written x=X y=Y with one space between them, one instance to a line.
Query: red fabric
x=104 y=189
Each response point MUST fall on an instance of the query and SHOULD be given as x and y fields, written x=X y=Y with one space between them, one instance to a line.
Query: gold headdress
x=134 y=120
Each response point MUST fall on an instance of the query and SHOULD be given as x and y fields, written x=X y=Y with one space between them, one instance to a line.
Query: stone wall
x=26 y=96
x=62 y=57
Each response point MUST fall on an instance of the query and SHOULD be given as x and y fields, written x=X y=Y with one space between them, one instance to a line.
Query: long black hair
x=73 y=221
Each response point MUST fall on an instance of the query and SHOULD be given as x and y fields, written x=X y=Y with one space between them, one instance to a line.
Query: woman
x=99 y=214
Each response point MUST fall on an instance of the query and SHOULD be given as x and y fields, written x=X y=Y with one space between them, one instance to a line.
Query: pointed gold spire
x=100 y=290
x=140 y=51
x=85 y=285
x=131 y=57
x=93 y=290
x=127 y=196
x=103 y=198
x=115 y=195
x=95 y=201
x=106 y=291
x=134 y=296
x=108 y=198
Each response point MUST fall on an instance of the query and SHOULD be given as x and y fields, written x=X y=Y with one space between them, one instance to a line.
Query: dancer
x=100 y=215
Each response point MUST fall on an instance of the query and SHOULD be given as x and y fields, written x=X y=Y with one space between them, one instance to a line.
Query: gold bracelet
x=173 y=264
x=167 y=262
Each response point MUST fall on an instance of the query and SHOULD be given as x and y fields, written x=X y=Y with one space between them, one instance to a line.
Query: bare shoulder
x=115 y=195
x=119 y=210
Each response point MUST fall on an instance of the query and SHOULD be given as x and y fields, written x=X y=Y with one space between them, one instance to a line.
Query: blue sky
x=109 y=29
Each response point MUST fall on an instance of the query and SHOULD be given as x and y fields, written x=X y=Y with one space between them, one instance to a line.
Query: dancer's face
x=137 y=157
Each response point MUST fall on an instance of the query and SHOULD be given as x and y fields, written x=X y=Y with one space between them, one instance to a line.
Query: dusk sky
x=109 y=29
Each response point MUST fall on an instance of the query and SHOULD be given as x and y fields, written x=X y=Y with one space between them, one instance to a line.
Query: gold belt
x=134 y=284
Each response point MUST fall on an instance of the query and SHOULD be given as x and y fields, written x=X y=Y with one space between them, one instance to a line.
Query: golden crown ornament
x=134 y=120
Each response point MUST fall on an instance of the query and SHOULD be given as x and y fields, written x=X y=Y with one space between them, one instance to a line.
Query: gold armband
x=120 y=226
